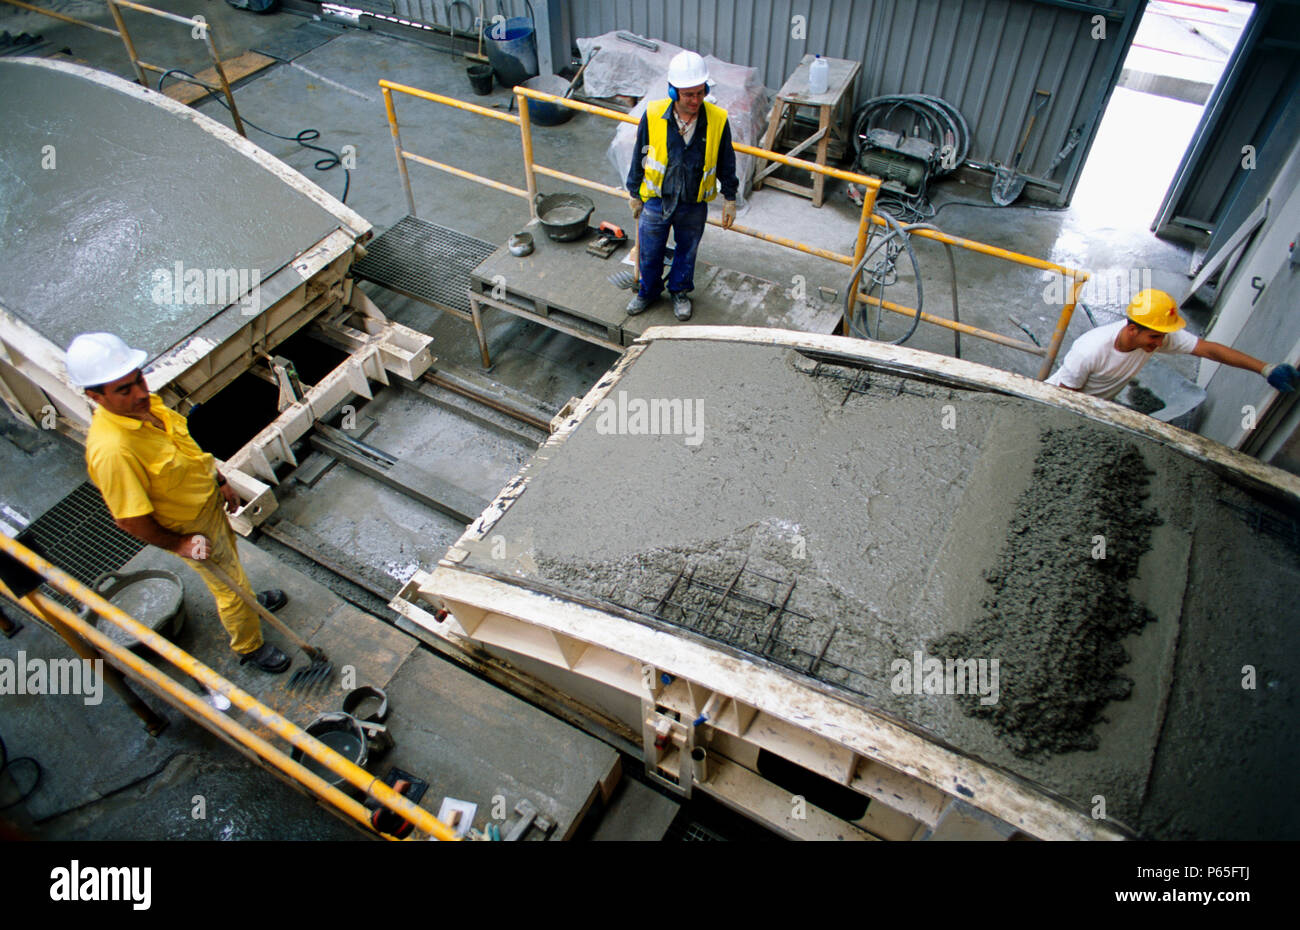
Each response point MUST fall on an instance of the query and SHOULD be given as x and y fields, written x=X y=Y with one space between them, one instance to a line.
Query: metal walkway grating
x=424 y=261
x=79 y=536
x=752 y=612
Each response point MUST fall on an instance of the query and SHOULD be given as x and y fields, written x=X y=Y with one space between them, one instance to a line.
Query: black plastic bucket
x=342 y=733
x=480 y=79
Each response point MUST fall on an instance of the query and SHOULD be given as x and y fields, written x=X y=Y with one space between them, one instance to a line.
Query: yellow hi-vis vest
x=655 y=162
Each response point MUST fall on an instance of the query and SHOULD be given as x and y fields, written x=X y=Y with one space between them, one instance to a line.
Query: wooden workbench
x=831 y=136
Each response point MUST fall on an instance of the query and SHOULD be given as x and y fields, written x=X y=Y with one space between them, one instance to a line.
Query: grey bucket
x=513 y=57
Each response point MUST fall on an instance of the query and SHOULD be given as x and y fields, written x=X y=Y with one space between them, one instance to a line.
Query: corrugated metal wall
x=986 y=57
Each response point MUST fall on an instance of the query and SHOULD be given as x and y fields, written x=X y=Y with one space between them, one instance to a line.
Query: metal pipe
x=183 y=20
x=972 y=245
x=860 y=244
x=523 y=416
x=448 y=101
x=397 y=147
x=126 y=40
x=468 y=175
x=266 y=716
x=225 y=85
x=863 y=179
x=788 y=243
x=67 y=19
x=951 y=324
x=1062 y=324
x=581 y=182
x=530 y=172
x=154 y=723
x=197 y=708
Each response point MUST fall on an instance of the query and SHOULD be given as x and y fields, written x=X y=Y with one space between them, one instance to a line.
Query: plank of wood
x=235 y=68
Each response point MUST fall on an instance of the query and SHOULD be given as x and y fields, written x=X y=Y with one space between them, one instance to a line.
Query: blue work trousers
x=687 y=224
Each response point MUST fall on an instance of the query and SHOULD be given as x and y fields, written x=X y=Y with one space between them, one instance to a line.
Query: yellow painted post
x=860 y=246
x=265 y=716
x=197 y=708
x=153 y=722
x=397 y=147
x=1062 y=324
x=221 y=76
x=526 y=134
x=130 y=46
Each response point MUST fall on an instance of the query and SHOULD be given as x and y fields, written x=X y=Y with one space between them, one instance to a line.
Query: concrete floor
x=334 y=89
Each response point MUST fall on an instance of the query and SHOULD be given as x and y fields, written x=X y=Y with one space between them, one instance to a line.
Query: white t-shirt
x=1093 y=364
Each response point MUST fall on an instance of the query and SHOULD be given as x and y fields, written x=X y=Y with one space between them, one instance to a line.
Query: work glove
x=636 y=205
x=728 y=214
x=1283 y=377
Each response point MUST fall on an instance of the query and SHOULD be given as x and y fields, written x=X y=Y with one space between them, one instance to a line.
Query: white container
x=819 y=76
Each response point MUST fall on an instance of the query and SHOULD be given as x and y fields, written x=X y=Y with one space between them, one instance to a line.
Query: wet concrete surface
x=892 y=528
x=89 y=253
x=384 y=535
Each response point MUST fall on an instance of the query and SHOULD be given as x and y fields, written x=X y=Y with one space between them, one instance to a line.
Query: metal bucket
x=155 y=598
x=564 y=216
x=514 y=56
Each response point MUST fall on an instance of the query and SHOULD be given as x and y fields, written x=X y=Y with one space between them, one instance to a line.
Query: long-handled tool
x=1008 y=183
x=320 y=668
x=577 y=77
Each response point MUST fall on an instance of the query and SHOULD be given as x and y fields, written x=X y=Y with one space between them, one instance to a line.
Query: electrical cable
x=885 y=273
x=1042 y=208
x=7 y=763
x=305 y=138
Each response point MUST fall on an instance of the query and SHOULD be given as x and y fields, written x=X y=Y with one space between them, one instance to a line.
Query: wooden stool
x=831 y=137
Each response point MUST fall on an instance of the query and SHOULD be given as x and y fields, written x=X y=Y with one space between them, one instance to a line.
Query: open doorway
x=1177 y=57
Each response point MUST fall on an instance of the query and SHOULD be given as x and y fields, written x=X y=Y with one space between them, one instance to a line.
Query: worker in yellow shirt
x=161 y=487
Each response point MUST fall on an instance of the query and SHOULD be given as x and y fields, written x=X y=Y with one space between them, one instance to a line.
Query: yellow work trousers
x=240 y=620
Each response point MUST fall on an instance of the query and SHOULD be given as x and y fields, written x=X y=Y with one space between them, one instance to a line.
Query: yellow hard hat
x=1155 y=310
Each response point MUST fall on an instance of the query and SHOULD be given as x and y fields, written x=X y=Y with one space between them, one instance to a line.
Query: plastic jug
x=819 y=74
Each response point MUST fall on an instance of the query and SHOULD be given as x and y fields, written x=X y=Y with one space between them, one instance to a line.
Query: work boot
x=267 y=658
x=637 y=304
x=272 y=599
x=681 y=307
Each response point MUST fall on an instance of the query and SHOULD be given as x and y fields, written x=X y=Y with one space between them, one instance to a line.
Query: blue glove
x=1283 y=377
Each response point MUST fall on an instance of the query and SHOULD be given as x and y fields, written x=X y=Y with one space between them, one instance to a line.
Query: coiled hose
x=7 y=763
x=933 y=119
x=885 y=273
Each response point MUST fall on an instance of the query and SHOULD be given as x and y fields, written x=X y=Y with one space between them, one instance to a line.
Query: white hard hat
x=687 y=69
x=98 y=358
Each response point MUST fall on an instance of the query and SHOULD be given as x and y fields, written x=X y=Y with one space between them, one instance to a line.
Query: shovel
x=320 y=668
x=1008 y=184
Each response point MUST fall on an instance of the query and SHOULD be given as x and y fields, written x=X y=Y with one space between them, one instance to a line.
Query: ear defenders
x=672 y=91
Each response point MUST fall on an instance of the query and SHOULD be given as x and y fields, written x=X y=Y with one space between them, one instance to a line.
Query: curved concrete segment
x=123 y=210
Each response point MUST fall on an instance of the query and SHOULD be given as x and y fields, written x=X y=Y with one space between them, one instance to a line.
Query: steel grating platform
x=424 y=261
x=79 y=536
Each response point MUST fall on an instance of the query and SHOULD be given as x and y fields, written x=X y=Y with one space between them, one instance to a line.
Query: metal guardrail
x=868 y=218
x=85 y=639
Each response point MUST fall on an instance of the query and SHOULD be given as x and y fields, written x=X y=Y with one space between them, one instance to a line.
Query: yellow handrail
x=871 y=187
x=268 y=717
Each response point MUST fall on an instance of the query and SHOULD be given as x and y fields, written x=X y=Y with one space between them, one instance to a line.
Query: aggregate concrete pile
x=1061 y=647
x=901 y=522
